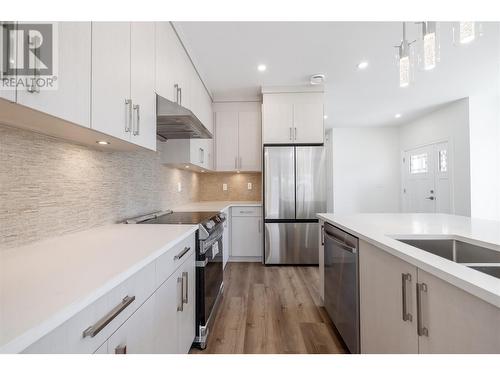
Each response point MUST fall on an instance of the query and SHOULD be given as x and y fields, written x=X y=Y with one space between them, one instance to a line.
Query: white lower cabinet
x=246 y=232
x=447 y=319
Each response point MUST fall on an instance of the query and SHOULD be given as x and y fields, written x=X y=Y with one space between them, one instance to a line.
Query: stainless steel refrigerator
x=294 y=192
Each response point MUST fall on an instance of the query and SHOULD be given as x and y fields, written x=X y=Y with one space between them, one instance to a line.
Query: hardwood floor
x=271 y=310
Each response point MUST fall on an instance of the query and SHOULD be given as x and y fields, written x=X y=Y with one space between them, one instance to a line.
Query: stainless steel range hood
x=173 y=121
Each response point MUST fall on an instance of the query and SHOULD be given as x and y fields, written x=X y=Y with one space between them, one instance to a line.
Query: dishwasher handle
x=340 y=243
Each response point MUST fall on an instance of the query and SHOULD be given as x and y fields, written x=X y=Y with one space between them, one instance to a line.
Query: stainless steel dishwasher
x=342 y=284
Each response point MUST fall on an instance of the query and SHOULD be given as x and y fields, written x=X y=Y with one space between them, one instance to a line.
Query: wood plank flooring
x=271 y=310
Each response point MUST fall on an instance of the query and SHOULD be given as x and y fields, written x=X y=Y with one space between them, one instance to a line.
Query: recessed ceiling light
x=363 y=65
x=261 y=68
x=325 y=116
x=317 y=79
x=102 y=142
x=397 y=115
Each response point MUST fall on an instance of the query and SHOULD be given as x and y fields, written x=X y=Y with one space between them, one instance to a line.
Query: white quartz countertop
x=215 y=205
x=44 y=284
x=382 y=229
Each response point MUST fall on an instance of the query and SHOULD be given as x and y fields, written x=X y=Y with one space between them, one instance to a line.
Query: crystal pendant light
x=429 y=45
x=405 y=58
x=466 y=32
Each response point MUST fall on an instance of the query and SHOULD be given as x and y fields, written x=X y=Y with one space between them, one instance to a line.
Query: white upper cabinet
x=168 y=61
x=143 y=84
x=71 y=100
x=249 y=141
x=292 y=117
x=111 y=101
x=7 y=43
x=238 y=137
x=226 y=128
x=123 y=81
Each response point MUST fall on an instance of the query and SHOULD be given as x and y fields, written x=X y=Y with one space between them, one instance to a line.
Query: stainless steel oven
x=342 y=281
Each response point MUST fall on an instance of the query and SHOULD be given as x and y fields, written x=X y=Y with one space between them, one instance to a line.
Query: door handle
x=185 y=294
x=137 y=110
x=180 y=292
x=431 y=198
x=176 y=92
x=128 y=114
x=121 y=349
x=421 y=329
x=405 y=278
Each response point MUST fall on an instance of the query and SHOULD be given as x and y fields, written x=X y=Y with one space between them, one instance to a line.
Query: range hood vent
x=173 y=121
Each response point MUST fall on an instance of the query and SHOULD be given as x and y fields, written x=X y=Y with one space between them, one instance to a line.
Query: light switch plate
x=249 y=186
x=179 y=187
x=224 y=187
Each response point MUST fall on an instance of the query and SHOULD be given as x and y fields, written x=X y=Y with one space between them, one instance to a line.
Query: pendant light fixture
x=466 y=32
x=405 y=58
x=429 y=45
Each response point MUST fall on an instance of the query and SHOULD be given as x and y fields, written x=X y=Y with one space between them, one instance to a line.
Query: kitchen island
x=414 y=301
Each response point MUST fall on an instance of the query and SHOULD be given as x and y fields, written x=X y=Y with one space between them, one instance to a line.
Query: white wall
x=449 y=123
x=366 y=169
x=485 y=155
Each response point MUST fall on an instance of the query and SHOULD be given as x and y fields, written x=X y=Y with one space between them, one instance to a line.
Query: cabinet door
x=111 y=78
x=8 y=43
x=168 y=61
x=277 y=118
x=226 y=140
x=167 y=300
x=187 y=328
x=136 y=335
x=143 y=84
x=383 y=329
x=456 y=321
x=246 y=236
x=249 y=145
x=71 y=100
x=308 y=118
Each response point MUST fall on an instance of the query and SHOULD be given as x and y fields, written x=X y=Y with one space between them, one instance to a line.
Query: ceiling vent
x=317 y=79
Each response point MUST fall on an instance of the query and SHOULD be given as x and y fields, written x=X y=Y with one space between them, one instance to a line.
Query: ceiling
x=226 y=55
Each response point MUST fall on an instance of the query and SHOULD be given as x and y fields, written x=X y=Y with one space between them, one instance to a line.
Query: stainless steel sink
x=476 y=257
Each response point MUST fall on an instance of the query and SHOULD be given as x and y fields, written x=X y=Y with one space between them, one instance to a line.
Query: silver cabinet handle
x=128 y=114
x=105 y=320
x=182 y=253
x=405 y=277
x=176 y=92
x=421 y=330
x=245 y=212
x=121 y=349
x=180 y=95
x=137 y=110
x=294 y=134
x=431 y=198
x=202 y=155
x=185 y=294
x=290 y=133
x=322 y=235
x=180 y=291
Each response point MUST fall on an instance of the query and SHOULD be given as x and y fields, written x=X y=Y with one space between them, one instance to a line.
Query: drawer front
x=173 y=258
x=246 y=211
x=68 y=338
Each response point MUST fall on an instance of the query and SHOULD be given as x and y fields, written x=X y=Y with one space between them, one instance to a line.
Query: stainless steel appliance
x=209 y=270
x=342 y=281
x=173 y=121
x=294 y=192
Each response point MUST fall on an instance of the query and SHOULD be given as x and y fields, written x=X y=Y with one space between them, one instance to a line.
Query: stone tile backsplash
x=237 y=187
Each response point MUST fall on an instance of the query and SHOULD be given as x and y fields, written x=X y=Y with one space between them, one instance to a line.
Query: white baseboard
x=245 y=259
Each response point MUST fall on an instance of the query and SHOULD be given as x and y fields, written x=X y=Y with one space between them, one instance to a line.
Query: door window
x=418 y=163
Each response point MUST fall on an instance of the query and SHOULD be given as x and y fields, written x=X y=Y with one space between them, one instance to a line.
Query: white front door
x=426 y=179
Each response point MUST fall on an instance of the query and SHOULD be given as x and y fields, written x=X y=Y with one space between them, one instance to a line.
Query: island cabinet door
x=451 y=320
x=387 y=302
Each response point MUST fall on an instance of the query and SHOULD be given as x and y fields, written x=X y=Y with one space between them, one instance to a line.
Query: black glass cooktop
x=181 y=218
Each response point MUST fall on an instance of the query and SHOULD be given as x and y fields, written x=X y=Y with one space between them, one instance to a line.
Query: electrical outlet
x=224 y=187
x=179 y=187
x=249 y=186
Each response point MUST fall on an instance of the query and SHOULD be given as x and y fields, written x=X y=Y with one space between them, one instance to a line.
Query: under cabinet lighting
x=187 y=166
x=102 y=142
x=261 y=68
x=397 y=115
